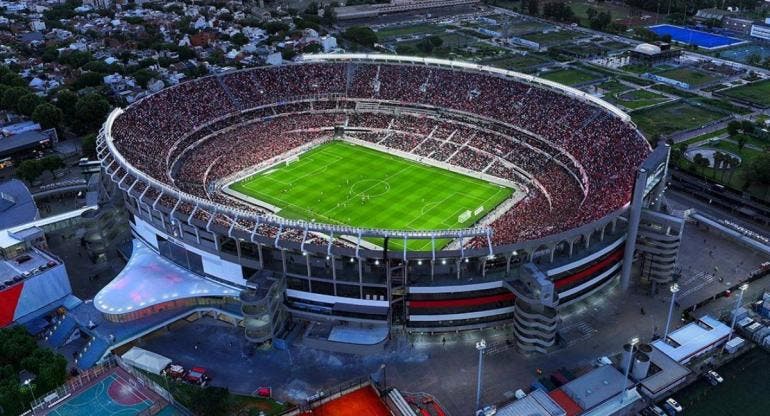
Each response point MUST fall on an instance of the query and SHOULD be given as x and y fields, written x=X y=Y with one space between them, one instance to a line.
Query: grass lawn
x=569 y=76
x=756 y=93
x=613 y=87
x=701 y=138
x=673 y=117
x=723 y=105
x=673 y=90
x=343 y=183
x=552 y=37
x=690 y=76
x=390 y=33
x=639 y=98
x=192 y=397
x=734 y=178
x=518 y=62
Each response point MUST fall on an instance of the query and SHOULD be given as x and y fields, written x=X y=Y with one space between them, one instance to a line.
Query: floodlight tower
x=633 y=342
x=481 y=346
x=674 y=289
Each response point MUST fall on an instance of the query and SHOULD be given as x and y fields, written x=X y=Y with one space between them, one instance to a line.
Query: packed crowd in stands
x=204 y=130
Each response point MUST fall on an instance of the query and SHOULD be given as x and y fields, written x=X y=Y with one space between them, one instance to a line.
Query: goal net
x=465 y=216
x=291 y=160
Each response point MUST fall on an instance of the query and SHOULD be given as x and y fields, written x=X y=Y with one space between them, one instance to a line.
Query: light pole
x=738 y=304
x=481 y=346
x=28 y=383
x=384 y=377
x=674 y=289
x=633 y=343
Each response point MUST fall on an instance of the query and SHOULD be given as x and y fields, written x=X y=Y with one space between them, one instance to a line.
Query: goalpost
x=291 y=160
x=467 y=214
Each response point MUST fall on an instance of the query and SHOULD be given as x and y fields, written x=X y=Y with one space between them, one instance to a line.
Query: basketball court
x=116 y=394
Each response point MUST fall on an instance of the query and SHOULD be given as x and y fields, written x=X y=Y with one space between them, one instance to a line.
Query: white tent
x=146 y=360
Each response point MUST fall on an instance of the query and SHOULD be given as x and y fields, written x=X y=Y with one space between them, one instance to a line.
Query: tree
x=88 y=145
x=19 y=351
x=27 y=104
x=288 y=54
x=600 y=21
x=51 y=163
x=11 y=98
x=66 y=100
x=209 y=401
x=533 y=8
x=239 y=39
x=90 y=112
x=733 y=127
x=29 y=170
x=741 y=139
x=759 y=169
x=362 y=35
x=88 y=79
x=143 y=76
x=558 y=11
x=47 y=115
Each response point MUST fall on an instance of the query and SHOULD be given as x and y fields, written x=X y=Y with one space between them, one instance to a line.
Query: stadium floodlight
x=633 y=342
x=481 y=346
x=674 y=290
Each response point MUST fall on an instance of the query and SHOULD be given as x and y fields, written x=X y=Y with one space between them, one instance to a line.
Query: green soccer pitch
x=343 y=183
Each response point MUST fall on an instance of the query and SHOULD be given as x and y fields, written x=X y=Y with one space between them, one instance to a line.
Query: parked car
x=490 y=410
x=653 y=411
x=672 y=407
x=23 y=258
x=174 y=371
x=198 y=375
x=714 y=378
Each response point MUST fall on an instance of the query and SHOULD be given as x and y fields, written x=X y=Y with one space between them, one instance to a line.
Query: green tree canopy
x=11 y=97
x=66 y=100
x=27 y=104
x=90 y=112
x=47 y=115
x=362 y=35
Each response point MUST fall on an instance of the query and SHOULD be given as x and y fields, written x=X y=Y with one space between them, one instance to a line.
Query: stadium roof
x=16 y=204
x=596 y=386
x=537 y=403
x=149 y=279
x=18 y=142
x=693 y=339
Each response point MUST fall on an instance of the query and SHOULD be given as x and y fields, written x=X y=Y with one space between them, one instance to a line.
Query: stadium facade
x=588 y=174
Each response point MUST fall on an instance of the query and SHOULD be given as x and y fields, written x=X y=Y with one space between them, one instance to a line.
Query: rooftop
x=34 y=262
x=18 y=142
x=149 y=279
x=596 y=386
x=16 y=204
x=692 y=339
x=535 y=403
x=669 y=373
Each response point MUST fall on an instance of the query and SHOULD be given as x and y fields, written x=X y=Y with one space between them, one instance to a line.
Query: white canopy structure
x=146 y=360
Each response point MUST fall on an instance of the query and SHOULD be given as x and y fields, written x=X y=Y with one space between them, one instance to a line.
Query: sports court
x=361 y=402
x=117 y=394
x=343 y=183
x=688 y=36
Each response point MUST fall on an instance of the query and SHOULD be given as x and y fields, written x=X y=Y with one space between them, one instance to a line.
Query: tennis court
x=115 y=395
x=361 y=402
x=687 y=36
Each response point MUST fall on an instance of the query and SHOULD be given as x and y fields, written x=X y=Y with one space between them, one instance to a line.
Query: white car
x=714 y=378
x=672 y=407
x=487 y=411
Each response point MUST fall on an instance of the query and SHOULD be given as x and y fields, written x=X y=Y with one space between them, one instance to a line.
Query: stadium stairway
x=61 y=331
x=92 y=353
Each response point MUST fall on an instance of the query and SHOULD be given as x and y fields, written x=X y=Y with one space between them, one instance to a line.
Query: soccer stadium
x=376 y=192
